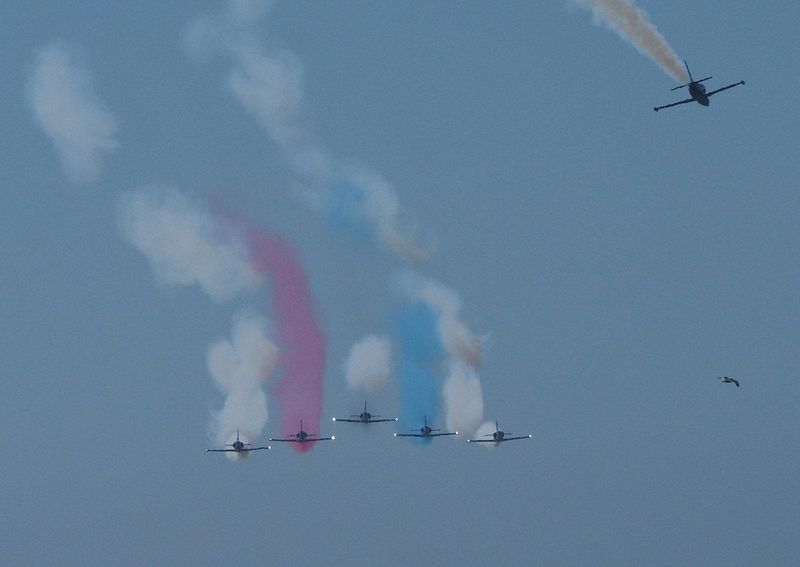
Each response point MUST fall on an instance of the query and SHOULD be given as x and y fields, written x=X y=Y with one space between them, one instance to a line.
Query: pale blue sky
x=618 y=260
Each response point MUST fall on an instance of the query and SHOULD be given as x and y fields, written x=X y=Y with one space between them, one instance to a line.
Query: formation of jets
x=425 y=432
x=697 y=91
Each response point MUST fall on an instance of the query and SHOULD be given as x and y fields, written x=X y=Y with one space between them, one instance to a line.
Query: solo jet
x=426 y=432
x=303 y=437
x=498 y=436
x=238 y=446
x=697 y=90
x=726 y=380
x=363 y=417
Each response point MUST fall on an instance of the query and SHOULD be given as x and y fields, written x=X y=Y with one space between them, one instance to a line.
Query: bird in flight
x=726 y=380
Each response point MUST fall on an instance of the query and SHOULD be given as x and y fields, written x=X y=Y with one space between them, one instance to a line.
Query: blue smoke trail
x=346 y=209
x=416 y=328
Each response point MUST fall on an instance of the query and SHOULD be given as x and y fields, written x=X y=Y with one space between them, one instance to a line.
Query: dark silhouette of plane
x=726 y=380
x=498 y=436
x=363 y=417
x=238 y=446
x=426 y=432
x=303 y=437
x=697 y=90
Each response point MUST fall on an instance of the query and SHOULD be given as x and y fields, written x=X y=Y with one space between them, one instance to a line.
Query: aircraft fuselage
x=698 y=92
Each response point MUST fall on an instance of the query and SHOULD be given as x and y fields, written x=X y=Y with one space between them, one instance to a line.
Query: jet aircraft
x=697 y=90
x=426 y=432
x=363 y=417
x=238 y=446
x=726 y=380
x=303 y=437
x=498 y=436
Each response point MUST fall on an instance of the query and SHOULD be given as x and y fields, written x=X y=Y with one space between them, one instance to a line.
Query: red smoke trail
x=302 y=343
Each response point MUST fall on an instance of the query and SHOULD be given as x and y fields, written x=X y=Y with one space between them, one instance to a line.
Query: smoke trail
x=301 y=340
x=364 y=204
x=369 y=363
x=415 y=328
x=184 y=243
x=632 y=24
x=269 y=86
x=463 y=397
x=81 y=129
x=455 y=335
x=462 y=394
x=239 y=367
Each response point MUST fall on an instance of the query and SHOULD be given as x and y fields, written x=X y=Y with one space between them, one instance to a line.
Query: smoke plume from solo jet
x=631 y=23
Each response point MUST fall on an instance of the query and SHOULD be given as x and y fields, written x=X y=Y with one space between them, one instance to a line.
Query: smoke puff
x=63 y=102
x=463 y=398
x=270 y=88
x=239 y=368
x=185 y=244
x=369 y=363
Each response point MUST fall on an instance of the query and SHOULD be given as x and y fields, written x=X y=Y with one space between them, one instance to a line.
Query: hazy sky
x=615 y=261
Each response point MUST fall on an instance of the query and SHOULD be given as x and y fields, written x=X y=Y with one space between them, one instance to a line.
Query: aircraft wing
x=256 y=448
x=347 y=420
x=291 y=440
x=220 y=450
x=331 y=438
x=380 y=420
x=657 y=108
x=408 y=435
x=481 y=441
x=725 y=88
x=520 y=437
x=443 y=434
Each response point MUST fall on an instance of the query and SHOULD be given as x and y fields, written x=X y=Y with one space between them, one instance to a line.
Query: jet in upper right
x=697 y=90
x=726 y=380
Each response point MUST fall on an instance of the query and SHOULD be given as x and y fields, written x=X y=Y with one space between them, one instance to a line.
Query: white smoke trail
x=269 y=85
x=185 y=243
x=632 y=24
x=463 y=397
x=65 y=106
x=239 y=368
x=369 y=364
